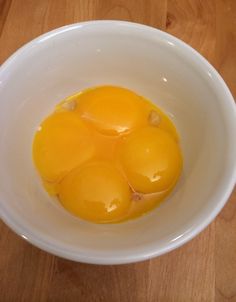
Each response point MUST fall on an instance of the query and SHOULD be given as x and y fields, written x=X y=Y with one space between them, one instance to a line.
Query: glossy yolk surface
x=108 y=154
x=96 y=192
x=151 y=159
x=61 y=143
x=112 y=110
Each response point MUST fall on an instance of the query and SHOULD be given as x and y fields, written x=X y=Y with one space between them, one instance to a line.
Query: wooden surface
x=202 y=270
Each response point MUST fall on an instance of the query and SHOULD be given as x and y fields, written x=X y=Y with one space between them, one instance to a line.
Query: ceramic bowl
x=153 y=64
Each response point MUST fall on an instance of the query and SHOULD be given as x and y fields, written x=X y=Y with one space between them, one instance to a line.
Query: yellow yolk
x=96 y=192
x=111 y=110
x=151 y=159
x=61 y=143
x=107 y=154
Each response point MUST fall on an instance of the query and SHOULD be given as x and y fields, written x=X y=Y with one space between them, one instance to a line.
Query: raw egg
x=61 y=143
x=111 y=110
x=96 y=191
x=151 y=159
x=107 y=154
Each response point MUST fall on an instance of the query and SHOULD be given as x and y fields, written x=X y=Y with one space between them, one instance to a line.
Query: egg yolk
x=112 y=110
x=107 y=154
x=61 y=143
x=151 y=159
x=96 y=192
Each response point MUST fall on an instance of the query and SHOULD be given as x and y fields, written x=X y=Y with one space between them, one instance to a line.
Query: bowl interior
x=150 y=63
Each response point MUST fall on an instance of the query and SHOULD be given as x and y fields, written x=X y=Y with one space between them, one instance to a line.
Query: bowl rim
x=39 y=240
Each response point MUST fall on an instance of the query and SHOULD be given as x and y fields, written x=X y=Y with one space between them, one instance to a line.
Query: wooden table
x=202 y=270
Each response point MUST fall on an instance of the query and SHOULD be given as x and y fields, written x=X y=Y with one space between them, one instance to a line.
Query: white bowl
x=151 y=63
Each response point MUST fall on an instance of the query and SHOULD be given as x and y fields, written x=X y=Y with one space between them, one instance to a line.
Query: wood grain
x=4 y=8
x=202 y=270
